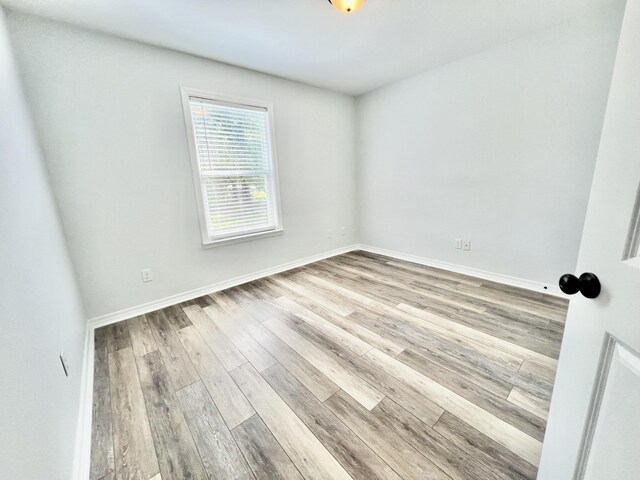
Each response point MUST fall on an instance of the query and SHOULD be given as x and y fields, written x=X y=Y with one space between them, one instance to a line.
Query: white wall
x=498 y=148
x=40 y=311
x=110 y=120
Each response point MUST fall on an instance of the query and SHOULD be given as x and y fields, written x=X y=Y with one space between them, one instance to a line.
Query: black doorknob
x=588 y=284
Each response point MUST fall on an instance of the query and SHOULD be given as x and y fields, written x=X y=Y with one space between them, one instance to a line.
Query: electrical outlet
x=329 y=234
x=343 y=231
x=458 y=243
x=65 y=363
x=146 y=275
x=466 y=245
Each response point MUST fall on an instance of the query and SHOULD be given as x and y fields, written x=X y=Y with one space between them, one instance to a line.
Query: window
x=234 y=166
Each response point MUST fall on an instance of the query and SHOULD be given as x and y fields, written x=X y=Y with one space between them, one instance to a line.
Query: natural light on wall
x=347 y=6
x=232 y=154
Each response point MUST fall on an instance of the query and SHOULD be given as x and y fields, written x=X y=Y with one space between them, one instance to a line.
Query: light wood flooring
x=359 y=366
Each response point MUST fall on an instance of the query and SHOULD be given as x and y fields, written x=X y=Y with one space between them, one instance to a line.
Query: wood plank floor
x=359 y=366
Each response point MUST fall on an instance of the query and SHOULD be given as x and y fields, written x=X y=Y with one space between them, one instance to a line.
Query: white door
x=594 y=422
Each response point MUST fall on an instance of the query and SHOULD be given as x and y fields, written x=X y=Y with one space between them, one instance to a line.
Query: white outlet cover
x=466 y=245
x=458 y=243
x=146 y=275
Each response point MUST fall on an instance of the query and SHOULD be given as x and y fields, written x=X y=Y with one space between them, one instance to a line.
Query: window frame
x=250 y=234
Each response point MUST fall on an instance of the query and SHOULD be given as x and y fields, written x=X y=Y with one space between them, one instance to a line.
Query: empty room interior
x=319 y=239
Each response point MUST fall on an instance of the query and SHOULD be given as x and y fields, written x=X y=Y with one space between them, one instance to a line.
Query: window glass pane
x=233 y=148
x=237 y=203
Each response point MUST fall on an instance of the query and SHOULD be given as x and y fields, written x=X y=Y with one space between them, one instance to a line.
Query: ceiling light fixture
x=346 y=6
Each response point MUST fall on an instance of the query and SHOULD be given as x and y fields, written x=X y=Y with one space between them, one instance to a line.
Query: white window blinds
x=235 y=166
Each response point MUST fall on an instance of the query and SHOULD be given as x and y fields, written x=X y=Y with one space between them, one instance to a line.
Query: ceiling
x=309 y=41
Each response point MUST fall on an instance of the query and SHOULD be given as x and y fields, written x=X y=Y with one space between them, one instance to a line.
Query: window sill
x=242 y=238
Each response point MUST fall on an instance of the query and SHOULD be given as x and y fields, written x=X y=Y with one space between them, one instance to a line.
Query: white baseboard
x=82 y=459
x=474 y=272
x=131 y=312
